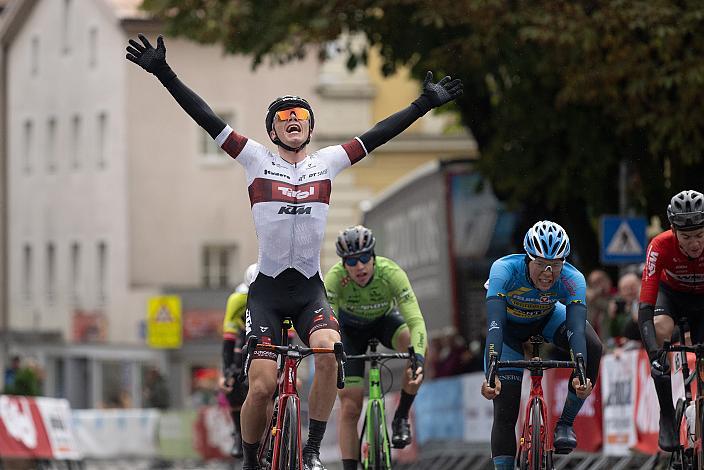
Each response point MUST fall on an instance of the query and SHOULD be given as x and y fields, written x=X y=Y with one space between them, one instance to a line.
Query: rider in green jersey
x=372 y=297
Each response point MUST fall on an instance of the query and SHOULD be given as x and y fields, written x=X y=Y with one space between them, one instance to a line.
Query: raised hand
x=441 y=92
x=146 y=56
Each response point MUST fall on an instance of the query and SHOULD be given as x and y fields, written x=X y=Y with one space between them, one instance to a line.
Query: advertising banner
x=22 y=433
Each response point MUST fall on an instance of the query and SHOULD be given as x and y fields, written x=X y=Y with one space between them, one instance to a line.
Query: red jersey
x=665 y=262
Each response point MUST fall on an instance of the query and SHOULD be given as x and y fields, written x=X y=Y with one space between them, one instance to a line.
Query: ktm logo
x=297 y=194
x=294 y=210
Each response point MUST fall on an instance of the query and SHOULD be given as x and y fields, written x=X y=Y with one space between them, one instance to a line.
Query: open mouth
x=293 y=128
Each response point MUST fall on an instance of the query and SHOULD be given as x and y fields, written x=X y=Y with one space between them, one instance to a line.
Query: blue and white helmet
x=547 y=240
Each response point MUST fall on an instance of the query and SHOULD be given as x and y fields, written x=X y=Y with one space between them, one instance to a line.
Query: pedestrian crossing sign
x=623 y=239
x=164 y=322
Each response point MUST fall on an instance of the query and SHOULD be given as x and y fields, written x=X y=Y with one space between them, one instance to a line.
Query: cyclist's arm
x=576 y=323
x=496 y=322
x=194 y=105
x=648 y=297
x=332 y=282
x=230 y=328
x=410 y=311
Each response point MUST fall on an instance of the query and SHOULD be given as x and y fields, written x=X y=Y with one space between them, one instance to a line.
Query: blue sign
x=623 y=239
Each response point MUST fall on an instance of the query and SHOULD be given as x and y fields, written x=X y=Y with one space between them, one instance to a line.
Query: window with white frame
x=34 y=56
x=66 y=23
x=75 y=274
x=27 y=281
x=207 y=147
x=50 y=150
x=93 y=47
x=28 y=144
x=102 y=278
x=50 y=272
x=75 y=144
x=101 y=140
x=219 y=262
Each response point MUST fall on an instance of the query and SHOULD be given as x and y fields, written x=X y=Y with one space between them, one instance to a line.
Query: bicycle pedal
x=563 y=451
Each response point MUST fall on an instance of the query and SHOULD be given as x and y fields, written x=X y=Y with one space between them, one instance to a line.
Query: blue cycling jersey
x=509 y=279
x=513 y=301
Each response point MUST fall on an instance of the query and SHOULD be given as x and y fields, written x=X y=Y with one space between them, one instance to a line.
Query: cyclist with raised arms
x=233 y=337
x=372 y=298
x=289 y=192
x=528 y=294
x=672 y=287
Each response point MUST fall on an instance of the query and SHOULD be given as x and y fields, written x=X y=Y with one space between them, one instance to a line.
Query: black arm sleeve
x=646 y=312
x=228 y=354
x=393 y=125
x=576 y=323
x=496 y=321
x=194 y=105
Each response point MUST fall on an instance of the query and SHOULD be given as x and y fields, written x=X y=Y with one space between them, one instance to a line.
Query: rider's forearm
x=576 y=323
x=390 y=127
x=496 y=321
x=419 y=334
x=646 y=313
x=194 y=105
x=228 y=354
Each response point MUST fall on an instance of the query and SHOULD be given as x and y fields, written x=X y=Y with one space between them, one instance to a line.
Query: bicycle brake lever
x=414 y=362
x=492 y=371
x=580 y=369
x=340 y=358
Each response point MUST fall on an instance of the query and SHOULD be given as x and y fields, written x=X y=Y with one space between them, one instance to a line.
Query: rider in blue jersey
x=536 y=293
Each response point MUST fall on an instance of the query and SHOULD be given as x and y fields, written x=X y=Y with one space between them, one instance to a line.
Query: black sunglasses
x=353 y=260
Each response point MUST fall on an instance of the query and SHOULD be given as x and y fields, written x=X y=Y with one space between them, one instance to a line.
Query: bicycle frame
x=536 y=366
x=376 y=400
x=287 y=393
x=691 y=456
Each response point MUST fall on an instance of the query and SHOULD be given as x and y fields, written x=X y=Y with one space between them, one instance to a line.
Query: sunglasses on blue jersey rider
x=353 y=260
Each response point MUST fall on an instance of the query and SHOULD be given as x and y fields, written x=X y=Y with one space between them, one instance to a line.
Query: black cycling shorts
x=355 y=339
x=682 y=304
x=290 y=294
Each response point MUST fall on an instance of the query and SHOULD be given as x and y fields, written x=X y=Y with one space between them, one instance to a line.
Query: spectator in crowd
x=599 y=294
x=24 y=379
x=156 y=390
x=11 y=372
x=450 y=355
x=623 y=313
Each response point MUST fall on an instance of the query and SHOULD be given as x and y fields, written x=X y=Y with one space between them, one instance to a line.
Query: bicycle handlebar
x=697 y=349
x=296 y=352
x=376 y=356
x=536 y=364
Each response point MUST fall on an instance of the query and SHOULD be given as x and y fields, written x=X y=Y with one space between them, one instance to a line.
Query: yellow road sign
x=164 y=324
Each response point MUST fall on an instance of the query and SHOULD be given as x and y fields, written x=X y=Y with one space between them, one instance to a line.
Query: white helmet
x=250 y=274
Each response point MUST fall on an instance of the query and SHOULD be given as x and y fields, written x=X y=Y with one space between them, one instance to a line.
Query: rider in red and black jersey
x=673 y=287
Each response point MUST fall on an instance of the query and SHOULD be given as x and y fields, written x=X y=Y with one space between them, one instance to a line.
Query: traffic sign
x=164 y=322
x=623 y=239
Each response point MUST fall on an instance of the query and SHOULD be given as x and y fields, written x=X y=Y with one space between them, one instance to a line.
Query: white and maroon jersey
x=289 y=201
x=665 y=262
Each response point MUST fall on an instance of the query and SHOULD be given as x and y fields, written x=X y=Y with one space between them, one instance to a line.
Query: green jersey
x=387 y=290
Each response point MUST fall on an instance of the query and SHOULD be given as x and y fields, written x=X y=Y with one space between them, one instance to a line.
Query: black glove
x=659 y=365
x=437 y=94
x=150 y=59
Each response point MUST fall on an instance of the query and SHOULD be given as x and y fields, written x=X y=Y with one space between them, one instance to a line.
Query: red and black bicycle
x=535 y=450
x=281 y=444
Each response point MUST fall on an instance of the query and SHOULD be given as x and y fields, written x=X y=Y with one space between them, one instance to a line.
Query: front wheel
x=379 y=451
x=536 y=445
x=289 y=451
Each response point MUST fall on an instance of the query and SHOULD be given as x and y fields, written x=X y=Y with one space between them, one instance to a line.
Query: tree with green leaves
x=557 y=92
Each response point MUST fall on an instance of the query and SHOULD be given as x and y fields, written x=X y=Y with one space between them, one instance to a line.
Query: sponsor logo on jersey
x=248 y=323
x=652 y=260
x=493 y=325
x=295 y=210
x=297 y=193
x=263 y=328
x=318 y=318
x=275 y=173
x=319 y=310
